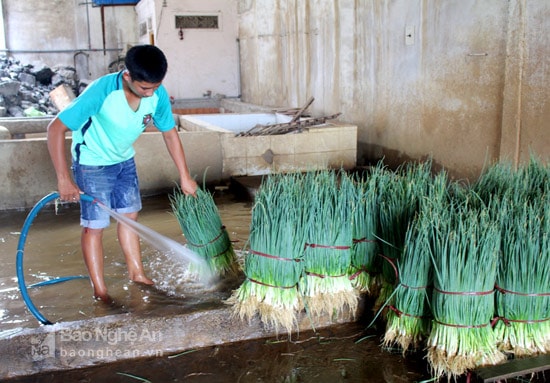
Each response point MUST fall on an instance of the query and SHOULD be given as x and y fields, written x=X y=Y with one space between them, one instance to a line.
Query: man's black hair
x=146 y=63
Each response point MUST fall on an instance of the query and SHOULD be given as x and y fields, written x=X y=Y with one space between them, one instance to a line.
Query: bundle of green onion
x=274 y=264
x=408 y=321
x=365 y=264
x=326 y=287
x=204 y=232
x=466 y=250
x=494 y=182
x=528 y=183
x=399 y=195
x=532 y=180
x=523 y=281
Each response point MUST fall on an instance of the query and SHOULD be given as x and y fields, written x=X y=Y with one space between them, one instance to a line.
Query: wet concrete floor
x=336 y=354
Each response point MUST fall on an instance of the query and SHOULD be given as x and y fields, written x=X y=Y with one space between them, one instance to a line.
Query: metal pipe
x=2 y=26
x=88 y=26
x=239 y=68
x=103 y=29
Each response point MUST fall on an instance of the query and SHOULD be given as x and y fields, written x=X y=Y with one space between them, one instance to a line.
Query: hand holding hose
x=68 y=191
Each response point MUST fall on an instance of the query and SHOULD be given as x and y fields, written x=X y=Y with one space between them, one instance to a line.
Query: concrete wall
x=28 y=173
x=465 y=81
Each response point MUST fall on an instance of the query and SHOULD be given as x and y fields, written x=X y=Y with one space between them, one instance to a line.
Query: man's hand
x=189 y=186
x=68 y=191
x=66 y=188
x=175 y=148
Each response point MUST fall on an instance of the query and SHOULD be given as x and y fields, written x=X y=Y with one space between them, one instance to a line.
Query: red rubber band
x=507 y=321
x=461 y=326
x=413 y=288
x=209 y=242
x=504 y=291
x=359 y=272
x=364 y=239
x=399 y=313
x=390 y=260
x=464 y=292
x=314 y=245
x=268 y=285
x=323 y=276
x=274 y=256
x=222 y=253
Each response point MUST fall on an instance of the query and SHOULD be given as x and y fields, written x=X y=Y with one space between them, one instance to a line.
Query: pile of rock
x=25 y=88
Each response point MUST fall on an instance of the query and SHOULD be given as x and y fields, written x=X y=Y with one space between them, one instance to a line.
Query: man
x=105 y=120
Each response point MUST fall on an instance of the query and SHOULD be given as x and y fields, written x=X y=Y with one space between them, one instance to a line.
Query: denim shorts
x=115 y=186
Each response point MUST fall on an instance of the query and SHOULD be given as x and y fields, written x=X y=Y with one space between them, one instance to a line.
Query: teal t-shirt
x=103 y=125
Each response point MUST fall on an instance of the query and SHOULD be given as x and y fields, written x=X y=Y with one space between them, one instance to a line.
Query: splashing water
x=166 y=245
x=172 y=277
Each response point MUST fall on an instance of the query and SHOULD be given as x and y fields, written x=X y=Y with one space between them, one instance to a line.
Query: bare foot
x=143 y=280
x=105 y=298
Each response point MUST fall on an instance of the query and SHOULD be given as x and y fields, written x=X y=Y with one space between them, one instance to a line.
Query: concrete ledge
x=214 y=156
x=18 y=127
x=28 y=173
x=79 y=344
x=513 y=369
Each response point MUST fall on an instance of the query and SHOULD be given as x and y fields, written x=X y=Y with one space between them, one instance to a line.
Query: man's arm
x=175 y=148
x=67 y=189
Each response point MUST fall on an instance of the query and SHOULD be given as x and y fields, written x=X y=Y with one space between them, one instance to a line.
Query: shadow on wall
x=372 y=154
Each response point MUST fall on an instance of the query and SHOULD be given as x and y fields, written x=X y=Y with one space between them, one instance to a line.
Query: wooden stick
x=301 y=111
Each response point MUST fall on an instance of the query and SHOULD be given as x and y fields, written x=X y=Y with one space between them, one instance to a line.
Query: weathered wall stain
x=472 y=87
